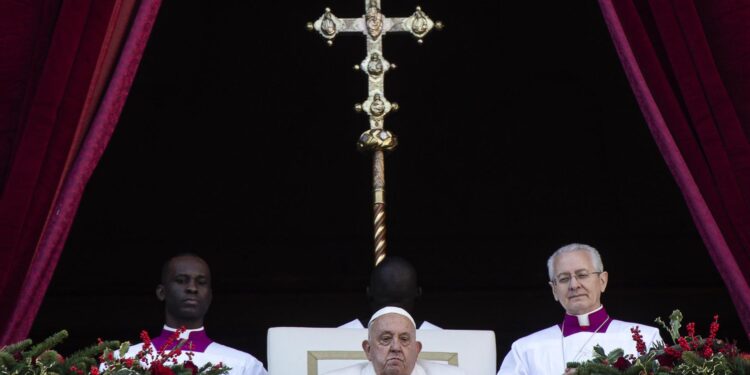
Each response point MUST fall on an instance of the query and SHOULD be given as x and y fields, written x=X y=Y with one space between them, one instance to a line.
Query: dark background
x=518 y=134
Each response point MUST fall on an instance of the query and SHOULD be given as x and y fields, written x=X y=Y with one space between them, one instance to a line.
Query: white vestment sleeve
x=513 y=364
x=255 y=369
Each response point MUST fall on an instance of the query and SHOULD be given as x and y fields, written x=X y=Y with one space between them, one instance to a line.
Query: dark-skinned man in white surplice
x=185 y=289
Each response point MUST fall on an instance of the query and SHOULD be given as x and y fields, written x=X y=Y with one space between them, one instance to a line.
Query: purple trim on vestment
x=596 y=319
x=197 y=340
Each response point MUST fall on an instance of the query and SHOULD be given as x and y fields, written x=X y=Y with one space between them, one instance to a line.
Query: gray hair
x=593 y=253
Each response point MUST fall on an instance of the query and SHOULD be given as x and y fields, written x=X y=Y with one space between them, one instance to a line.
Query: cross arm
x=374 y=24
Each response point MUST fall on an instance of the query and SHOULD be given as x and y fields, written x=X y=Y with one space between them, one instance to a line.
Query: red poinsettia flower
x=621 y=364
x=666 y=360
x=191 y=366
x=158 y=369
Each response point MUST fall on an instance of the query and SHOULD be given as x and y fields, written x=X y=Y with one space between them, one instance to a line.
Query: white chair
x=315 y=351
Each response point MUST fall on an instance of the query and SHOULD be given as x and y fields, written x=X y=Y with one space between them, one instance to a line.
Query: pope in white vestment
x=421 y=368
x=392 y=348
x=206 y=350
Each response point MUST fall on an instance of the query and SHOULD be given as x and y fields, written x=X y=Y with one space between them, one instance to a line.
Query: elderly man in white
x=577 y=279
x=392 y=348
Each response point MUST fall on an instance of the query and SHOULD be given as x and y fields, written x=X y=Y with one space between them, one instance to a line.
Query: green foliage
x=47 y=344
x=741 y=366
x=209 y=369
x=690 y=355
x=39 y=359
x=675 y=323
x=17 y=347
x=614 y=355
x=692 y=358
x=6 y=360
x=104 y=358
x=50 y=358
x=597 y=369
x=715 y=365
x=124 y=347
x=87 y=357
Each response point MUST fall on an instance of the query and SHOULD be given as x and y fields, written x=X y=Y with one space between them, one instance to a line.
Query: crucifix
x=373 y=24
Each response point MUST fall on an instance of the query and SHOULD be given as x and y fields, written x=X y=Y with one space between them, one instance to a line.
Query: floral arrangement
x=690 y=354
x=104 y=358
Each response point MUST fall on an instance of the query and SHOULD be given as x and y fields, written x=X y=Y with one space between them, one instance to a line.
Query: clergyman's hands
x=570 y=371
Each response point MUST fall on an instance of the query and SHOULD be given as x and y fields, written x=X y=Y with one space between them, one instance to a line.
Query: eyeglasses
x=580 y=276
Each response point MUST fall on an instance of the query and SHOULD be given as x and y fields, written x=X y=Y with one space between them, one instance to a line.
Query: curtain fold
x=55 y=143
x=692 y=90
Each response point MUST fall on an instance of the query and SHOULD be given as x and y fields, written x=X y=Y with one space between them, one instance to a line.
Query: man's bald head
x=393 y=283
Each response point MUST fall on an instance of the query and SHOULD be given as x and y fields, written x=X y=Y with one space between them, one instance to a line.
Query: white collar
x=185 y=334
x=583 y=319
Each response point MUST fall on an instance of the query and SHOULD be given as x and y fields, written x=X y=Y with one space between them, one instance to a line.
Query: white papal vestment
x=421 y=368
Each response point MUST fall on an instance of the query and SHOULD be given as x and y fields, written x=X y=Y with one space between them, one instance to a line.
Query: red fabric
x=29 y=186
x=687 y=62
x=25 y=28
x=42 y=188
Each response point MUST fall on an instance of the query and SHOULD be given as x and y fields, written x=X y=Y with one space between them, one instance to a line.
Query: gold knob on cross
x=377 y=140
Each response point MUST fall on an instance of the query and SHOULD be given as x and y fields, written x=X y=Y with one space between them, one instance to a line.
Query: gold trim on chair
x=313 y=356
x=451 y=358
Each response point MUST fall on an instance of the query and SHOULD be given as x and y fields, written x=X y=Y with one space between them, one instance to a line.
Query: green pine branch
x=6 y=360
x=87 y=357
x=597 y=369
x=47 y=344
x=17 y=347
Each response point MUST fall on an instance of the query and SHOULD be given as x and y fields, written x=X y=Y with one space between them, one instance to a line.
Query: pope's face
x=186 y=291
x=392 y=345
x=581 y=289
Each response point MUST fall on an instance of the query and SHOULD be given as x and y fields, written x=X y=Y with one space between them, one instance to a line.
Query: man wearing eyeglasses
x=577 y=279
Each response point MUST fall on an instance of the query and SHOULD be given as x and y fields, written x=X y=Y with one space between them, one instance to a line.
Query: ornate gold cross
x=373 y=24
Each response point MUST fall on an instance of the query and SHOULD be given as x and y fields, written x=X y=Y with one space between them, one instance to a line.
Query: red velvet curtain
x=66 y=70
x=688 y=62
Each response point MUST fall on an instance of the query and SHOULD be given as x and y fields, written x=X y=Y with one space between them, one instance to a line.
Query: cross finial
x=374 y=25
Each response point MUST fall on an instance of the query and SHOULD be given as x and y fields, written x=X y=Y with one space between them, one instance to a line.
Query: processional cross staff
x=377 y=139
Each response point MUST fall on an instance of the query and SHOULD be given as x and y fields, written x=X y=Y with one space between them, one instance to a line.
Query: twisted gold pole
x=378 y=186
x=379 y=209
